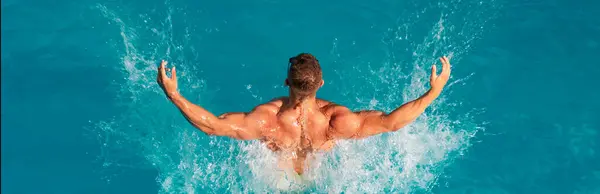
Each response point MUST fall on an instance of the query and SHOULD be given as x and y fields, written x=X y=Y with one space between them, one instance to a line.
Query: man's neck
x=309 y=101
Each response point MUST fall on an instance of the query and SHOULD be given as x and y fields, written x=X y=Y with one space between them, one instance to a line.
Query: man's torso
x=298 y=130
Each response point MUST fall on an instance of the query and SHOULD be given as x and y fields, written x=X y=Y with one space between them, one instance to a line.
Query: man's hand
x=439 y=81
x=169 y=85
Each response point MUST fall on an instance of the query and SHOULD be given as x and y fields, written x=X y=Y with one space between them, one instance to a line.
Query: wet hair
x=304 y=73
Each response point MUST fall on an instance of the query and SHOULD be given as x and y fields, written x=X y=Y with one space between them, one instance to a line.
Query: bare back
x=296 y=129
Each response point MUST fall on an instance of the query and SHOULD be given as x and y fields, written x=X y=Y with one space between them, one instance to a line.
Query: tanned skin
x=301 y=125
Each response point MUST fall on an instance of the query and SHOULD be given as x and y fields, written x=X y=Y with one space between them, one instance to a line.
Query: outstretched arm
x=368 y=123
x=238 y=125
x=243 y=126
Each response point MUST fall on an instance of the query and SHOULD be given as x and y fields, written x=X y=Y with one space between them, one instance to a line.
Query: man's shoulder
x=343 y=121
x=322 y=103
x=278 y=102
x=331 y=108
x=271 y=106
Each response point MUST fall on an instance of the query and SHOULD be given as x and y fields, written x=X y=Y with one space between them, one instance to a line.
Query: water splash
x=409 y=160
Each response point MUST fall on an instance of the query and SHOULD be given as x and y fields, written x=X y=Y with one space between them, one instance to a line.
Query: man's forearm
x=196 y=115
x=408 y=112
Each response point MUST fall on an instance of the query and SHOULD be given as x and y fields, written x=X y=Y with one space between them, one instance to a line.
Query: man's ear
x=287 y=82
x=322 y=83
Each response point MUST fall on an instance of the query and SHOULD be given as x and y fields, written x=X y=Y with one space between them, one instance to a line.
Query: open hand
x=439 y=81
x=169 y=85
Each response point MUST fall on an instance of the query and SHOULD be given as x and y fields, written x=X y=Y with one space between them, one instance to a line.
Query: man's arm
x=243 y=126
x=362 y=124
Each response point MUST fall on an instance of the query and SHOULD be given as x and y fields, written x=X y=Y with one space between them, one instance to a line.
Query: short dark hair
x=304 y=73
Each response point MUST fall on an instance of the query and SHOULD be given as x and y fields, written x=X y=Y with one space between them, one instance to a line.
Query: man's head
x=304 y=75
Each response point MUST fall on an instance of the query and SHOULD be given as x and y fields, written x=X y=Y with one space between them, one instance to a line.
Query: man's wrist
x=173 y=95
x=435 y=92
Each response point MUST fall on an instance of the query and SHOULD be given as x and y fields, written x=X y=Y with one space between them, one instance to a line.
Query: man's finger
x=433 y=73
x=445 y=65
x=173 y=74
x=162 y=69
x=158 y=69
x=159 y=74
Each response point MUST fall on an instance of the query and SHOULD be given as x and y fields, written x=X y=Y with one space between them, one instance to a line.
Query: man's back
x=296 y=129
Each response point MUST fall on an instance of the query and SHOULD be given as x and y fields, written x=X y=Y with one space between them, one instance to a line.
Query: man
x=301 y=123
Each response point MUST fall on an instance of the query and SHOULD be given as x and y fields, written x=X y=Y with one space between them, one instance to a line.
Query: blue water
x=81 y=112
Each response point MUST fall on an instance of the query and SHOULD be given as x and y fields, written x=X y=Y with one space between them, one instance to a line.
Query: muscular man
x=301 y=123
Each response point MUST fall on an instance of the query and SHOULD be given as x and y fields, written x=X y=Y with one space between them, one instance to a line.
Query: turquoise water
x=81 y=112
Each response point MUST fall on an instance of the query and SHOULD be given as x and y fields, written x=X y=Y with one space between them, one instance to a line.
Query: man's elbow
x=392 y=124
x=217 y=133
x=209 y=133
x=226 y=133
x=393 y=128
x=206 y=130
x=399 y=125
